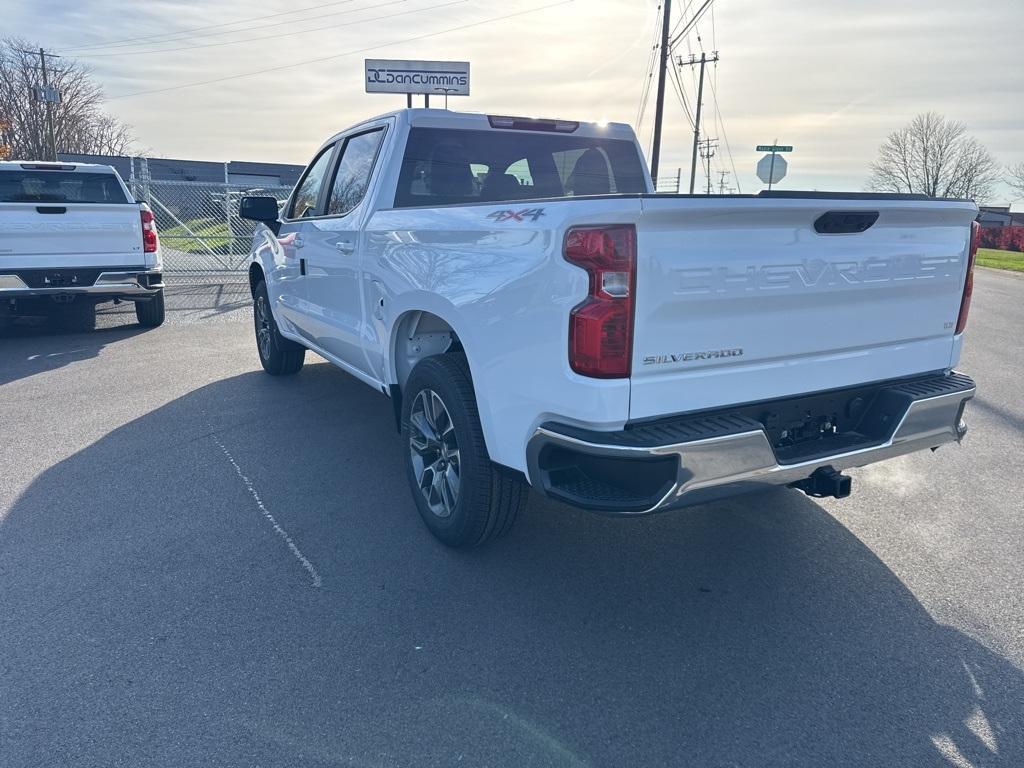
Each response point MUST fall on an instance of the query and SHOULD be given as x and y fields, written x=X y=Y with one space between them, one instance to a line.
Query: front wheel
x=278 y=356
x=462 y=496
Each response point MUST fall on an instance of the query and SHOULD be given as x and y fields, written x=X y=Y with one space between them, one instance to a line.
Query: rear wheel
x=278 y=355
x=150 y=313
x=463 y=497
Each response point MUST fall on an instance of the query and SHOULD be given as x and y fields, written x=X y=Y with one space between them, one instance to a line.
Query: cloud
x=830 y=77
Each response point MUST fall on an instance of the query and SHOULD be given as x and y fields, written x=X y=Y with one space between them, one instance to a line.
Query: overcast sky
x=831 y=77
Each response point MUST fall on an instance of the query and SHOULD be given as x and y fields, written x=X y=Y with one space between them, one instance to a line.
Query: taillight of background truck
x=149 y=237
x=601 y=327
x=965 y=302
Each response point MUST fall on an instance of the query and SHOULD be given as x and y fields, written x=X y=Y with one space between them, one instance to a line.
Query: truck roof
x=445 y=118
x=19 y=165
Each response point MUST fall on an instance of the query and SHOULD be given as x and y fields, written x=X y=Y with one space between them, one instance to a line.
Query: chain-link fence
x=200 y=230
x=670 y=183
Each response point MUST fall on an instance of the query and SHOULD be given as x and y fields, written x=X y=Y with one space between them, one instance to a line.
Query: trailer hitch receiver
x=825 y=482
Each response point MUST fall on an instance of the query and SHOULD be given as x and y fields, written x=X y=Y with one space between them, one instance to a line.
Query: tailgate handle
x=51 y=209
x=844 y=222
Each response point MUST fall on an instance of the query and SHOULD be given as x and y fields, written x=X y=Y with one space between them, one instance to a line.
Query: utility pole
x=721 y=181
x=703 y=61
x=659 y=109
x=707 y=151
x=45 y=95
x=49 y=107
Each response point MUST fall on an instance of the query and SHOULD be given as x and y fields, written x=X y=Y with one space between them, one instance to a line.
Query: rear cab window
x=444 y=166
x=44 y=186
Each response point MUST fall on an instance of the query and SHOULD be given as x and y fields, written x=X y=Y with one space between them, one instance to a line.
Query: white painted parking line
x=303 y=560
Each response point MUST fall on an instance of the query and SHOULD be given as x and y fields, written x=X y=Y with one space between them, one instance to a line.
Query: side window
x=585 y=171
x=354 y=171
x=521 y=170
x=307 y=194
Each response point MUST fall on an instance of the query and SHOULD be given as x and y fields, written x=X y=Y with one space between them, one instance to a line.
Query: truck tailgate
x=742 y=299
x=70 y=234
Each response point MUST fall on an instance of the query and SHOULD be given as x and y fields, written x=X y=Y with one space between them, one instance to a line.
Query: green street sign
x=774 y=148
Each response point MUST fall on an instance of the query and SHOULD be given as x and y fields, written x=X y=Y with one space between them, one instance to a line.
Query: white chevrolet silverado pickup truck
x=536 y=312
x=72 y=236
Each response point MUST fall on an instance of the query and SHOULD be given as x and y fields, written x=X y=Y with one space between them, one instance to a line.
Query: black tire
x=151 y=312
x=278 y=355
x=487 y=497
x=77 y=317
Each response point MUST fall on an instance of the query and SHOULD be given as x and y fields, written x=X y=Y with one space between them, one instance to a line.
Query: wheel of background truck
x=77 y=316
x=278 y=355
x=151 y=313
x=462 y=496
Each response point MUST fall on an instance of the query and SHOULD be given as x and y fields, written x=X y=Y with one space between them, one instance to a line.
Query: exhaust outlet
x=825 y=482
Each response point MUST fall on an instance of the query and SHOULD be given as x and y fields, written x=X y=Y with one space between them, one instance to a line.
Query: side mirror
x=260 y=208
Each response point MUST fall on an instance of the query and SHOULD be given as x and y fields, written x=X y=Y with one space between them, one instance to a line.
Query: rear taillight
x=149 y=238
x=965 y=302
x=601 y=327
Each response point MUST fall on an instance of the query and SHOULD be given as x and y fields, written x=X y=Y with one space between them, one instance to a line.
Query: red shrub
x=1003 y=238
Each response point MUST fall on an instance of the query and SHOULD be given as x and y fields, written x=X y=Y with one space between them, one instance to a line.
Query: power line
x=697 y=125
x=682 y=18
x=344 y=53
x=691 y=23
x=646 y=88
x=176 y=35
x=45 y=96
x=275 y=25
x=659 y=109
x=707 y=151
x=280 y=34
x=725 y=136
x=681 y=94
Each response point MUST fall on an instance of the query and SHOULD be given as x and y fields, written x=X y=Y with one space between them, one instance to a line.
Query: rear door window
x=354 y=171
x=60 y=187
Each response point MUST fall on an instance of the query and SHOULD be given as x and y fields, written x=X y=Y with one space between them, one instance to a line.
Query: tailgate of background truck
x=744 y=299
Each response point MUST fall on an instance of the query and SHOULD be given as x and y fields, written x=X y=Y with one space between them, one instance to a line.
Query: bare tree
x=79 y=123
x=936 y=157
x=1015 y=178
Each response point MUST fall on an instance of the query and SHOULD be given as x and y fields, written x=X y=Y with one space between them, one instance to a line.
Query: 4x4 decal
x=509 y=215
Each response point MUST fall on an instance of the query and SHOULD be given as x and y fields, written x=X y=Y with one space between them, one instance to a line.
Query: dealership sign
x=392 y=76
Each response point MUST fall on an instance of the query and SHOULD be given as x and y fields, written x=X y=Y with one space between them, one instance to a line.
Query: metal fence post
x=192 y=217
x=227 y=214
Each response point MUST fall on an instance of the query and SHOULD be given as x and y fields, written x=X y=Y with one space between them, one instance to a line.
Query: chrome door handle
x=345 y=246
x=298 y=242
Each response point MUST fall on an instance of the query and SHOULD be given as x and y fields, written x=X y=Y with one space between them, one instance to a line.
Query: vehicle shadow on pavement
x=151 y=613
x=32 y=346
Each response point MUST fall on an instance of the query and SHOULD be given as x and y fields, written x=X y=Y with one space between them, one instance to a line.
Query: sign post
x=772 y=168
x=423 y=77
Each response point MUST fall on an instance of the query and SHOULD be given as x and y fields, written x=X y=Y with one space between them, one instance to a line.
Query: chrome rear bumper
x=693 y=471
x=113 y=283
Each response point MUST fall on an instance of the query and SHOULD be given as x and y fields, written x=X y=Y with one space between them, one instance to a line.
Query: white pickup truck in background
x=72 y=236
x=537 y=312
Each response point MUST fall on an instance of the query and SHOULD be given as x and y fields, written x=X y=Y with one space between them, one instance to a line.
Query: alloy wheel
x=435 y=453
x=262 y=318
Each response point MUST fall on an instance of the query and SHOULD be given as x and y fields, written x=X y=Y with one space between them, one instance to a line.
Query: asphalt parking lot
x=201 y=565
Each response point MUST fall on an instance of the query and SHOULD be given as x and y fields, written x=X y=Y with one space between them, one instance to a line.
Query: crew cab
x=539 y=315
x=72 y=236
